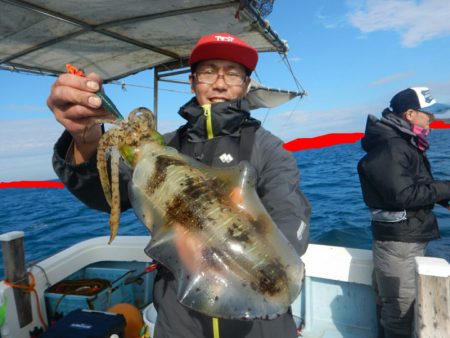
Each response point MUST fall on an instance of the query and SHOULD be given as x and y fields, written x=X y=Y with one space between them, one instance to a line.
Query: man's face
x=231 y=82
x=419 y=118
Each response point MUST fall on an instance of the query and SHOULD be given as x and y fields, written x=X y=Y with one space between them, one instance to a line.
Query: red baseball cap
x=226 y=47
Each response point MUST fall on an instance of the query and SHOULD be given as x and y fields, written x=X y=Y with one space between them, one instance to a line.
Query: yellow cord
x=215 y=327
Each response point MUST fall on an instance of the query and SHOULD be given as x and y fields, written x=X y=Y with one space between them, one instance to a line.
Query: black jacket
x=395 y=176
x=277 y=186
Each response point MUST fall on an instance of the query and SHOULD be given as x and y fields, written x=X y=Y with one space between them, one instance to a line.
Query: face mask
x=422 y=137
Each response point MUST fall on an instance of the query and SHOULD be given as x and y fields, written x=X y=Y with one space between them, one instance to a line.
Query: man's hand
x=189 y=248
x=74 y=103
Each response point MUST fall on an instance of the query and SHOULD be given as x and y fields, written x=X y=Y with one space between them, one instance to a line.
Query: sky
x=350 y=56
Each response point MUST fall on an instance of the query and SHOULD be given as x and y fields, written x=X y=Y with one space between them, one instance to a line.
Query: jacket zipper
x=207 y=113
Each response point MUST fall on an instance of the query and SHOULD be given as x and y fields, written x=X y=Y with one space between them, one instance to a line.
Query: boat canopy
x=118 y=38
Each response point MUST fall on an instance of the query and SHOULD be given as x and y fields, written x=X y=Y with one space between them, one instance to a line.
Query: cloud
x=440 y=90
x=329 y=21
x=295 y=59
x=391 y=78
x=26 y=148
x=289 y=125
x=22 y=109
x=416 y=22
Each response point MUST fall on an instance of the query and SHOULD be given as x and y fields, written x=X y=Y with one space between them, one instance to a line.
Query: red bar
x=31 y=184
x=322 y=141
x=439 y=125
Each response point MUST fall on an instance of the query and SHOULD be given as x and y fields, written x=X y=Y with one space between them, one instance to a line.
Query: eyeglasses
x=423 y=112
x=429 y=115
x=211 y=76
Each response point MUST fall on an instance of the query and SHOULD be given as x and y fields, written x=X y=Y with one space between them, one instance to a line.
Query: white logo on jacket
x=301 y=230
x=226 y=158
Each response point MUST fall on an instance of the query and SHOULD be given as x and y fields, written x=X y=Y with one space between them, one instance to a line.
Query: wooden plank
x=432 y=309
x=16 y=272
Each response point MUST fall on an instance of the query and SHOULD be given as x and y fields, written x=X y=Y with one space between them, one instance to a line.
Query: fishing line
x=257 y=76
x=123 y=85
x=292 y=111
x=268 y=109
x=300 y=88
x=266 y=116
x=286 y=61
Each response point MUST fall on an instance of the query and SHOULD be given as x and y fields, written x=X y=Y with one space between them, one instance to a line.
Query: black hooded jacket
x=395 y=175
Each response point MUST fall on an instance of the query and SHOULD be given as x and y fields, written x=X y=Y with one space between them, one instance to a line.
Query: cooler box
x=143 y=289
x=60 y=303
x=87 y=324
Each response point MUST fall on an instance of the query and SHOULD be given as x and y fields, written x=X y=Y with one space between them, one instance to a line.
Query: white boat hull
x=337 y=299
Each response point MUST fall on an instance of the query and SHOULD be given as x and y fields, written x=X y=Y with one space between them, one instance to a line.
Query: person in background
x=399 y=188
x=219 y=132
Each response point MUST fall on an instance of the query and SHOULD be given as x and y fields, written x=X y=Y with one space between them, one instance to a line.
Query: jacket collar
x=404 y=127
x=396 y=122
x=227 y=118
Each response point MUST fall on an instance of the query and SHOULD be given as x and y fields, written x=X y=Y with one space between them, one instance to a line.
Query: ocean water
x=53 y=219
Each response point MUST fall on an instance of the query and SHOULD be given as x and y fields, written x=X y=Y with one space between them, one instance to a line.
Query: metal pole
x=155 y=95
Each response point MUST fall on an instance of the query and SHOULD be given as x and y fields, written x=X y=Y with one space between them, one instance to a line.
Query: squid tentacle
x=115 y=195
x=102 y=149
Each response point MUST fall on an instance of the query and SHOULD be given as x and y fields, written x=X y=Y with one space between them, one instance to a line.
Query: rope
x=35 y=264
x=29 y=288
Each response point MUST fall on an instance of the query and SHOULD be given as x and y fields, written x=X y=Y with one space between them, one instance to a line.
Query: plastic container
x=142 y=289
x=150 y=315
x=59 y=304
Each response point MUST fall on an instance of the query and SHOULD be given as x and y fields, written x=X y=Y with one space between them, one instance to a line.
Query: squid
x=208 y=225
